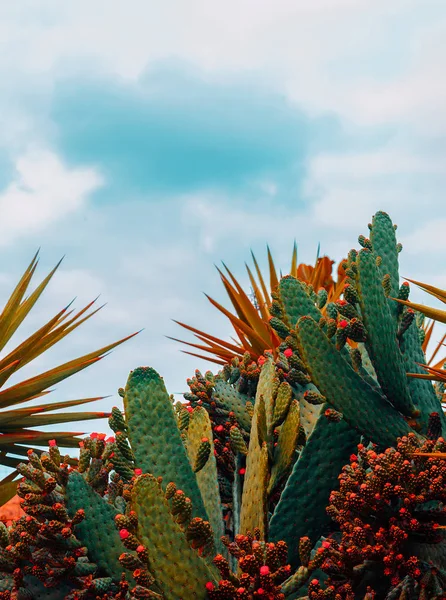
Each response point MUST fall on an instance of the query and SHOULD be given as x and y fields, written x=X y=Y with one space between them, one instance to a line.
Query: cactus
x=109 y=527
x=226 y=495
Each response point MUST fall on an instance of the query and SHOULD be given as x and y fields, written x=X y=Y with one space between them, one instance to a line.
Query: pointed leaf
x=430 y=289
x=432 y=313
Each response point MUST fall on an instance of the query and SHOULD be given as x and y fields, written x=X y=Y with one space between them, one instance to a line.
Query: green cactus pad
x=228 y=398
x=296 y=301
x=266 y=387
x=200 y=427
x=180 y=571
x=254 y=510
x=383 y=238
x=285 y=450
x=309 y=413
x=154 y=435
x=301 y=508
x=98 y=531
x=362 y=406
x=382 y=345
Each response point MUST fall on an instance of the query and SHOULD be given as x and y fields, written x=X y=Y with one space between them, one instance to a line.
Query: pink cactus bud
x=123 y=534
x=52 y=443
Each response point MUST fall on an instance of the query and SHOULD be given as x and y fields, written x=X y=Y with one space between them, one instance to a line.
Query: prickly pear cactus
x=225 y=496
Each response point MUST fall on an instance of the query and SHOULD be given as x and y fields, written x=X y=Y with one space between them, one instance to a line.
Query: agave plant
x=251 y=320
x=20 y=427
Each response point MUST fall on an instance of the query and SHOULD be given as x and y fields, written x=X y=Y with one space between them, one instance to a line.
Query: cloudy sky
x=147 y=141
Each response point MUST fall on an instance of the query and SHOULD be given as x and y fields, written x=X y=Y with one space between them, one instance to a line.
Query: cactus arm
x=98 y=531
x=382 y=344
x=254 y=499
x=309 y=413
x=297 y=303
x=301 y=508
x=383 y=238
x=362 y=407
x=231 y=400
x=200 y=427
x=180 y=572
x=154 y=435
x=285 y=450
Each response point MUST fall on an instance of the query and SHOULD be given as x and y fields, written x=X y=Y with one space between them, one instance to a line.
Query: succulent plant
x=251 y=320
x=20 y=427
x=225 y=496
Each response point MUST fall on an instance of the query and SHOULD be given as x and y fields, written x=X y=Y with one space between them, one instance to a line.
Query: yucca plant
x=21 y=427
x=251 y=320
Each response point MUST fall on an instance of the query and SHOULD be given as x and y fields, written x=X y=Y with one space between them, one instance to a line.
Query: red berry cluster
x=263 y=568
x=386 y=504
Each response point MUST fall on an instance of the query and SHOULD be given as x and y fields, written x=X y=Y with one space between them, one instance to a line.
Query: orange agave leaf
x=8 y=487
x=37 y=437
x=54 y=336
x=28 y=304
x=22 y=391
x=212 y=338
x=20 y=353
x=9 y=312
x=208 y=358
x=263 y=306
x=221 y=351
x=253 y=317
x=432 y=313
x=435 y=352
x=233 y=296
x=430 y=289
x=255 y=339
x=6 y=416
x=428 y=333
x=293 y=270
x=305 y=273
x=7 y=371
x=34 y=421
x=261 y=280
x=274 y=281
x=433 y=374
x=242 y=350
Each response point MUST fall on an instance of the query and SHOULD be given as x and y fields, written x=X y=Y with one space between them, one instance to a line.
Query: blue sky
x=148 y=141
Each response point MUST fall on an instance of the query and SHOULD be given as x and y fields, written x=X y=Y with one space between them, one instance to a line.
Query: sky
x=148 y=141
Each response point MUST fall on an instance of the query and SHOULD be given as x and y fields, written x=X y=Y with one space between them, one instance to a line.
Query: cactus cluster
x=314 y=470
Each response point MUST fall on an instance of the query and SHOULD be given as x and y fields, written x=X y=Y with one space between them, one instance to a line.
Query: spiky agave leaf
x=252 y=314
x=432 y=313
x=435 y=372
x=19 y=427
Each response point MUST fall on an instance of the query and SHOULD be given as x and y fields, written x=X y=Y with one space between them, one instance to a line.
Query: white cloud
x=327 y=54
x=42 y=192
